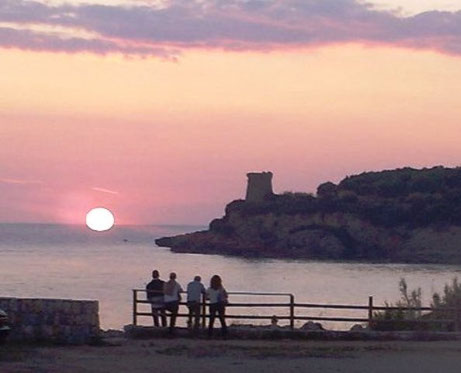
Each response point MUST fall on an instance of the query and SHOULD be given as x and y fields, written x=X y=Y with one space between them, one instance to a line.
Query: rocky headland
x=403 y=215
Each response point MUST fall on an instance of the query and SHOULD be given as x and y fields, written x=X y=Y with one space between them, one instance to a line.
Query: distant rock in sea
x=403 y=215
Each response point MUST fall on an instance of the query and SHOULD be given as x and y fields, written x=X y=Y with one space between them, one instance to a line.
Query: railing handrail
x=319 y=305
x=239 y=293
x=331 y=306
x=375 y=308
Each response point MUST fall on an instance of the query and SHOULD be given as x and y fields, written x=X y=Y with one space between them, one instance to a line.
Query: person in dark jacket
x=156 y=298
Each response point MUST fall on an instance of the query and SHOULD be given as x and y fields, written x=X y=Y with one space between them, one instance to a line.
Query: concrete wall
x=53 y=320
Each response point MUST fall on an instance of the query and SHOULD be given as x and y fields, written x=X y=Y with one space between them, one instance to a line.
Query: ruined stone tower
x=259 y=186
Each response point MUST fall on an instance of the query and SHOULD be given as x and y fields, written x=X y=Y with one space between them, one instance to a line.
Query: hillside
x=403 y=215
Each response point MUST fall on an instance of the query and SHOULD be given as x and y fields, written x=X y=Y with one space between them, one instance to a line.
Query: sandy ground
x=186 y=355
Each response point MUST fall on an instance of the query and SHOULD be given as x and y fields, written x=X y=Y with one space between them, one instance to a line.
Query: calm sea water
x=73 y=262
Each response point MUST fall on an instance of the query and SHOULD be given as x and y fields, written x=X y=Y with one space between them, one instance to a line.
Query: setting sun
x=100 y=219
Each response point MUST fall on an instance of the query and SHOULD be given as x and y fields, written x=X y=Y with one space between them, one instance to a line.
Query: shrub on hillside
x=444 y=308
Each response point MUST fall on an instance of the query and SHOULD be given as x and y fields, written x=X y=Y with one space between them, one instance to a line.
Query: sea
x=73 y=262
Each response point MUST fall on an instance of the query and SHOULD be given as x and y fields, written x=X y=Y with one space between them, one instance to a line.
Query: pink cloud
x=20 y=181
x=150 y=30
x=104 y=190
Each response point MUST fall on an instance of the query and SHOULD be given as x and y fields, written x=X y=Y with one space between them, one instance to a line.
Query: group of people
x=165 y=297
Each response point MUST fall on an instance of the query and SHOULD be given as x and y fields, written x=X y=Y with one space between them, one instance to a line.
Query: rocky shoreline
x=421 y=246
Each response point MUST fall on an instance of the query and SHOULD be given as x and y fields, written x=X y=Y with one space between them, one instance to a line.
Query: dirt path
x=185 y=355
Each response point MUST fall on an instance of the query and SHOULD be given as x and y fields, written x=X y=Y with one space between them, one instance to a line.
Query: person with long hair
x=218 y=298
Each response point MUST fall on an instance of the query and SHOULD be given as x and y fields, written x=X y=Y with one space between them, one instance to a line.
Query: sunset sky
x=158 y=109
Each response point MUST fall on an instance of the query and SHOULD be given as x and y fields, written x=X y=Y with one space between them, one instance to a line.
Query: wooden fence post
x=203 y=311
x=457 y=316
x=135 y=307
x=292 y=311
x=370 y=311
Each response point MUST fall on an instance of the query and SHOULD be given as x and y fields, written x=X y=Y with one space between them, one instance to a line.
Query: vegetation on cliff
x=408 y=197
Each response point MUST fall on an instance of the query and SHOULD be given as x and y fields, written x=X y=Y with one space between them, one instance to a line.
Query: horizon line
x=116 y=225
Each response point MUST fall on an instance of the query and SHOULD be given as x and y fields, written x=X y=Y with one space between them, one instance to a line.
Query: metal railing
x=291 y=314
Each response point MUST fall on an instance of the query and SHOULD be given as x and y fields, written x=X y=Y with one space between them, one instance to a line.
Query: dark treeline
x=402 y=197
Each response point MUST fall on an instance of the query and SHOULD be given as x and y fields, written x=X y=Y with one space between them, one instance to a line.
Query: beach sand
x=186 y=355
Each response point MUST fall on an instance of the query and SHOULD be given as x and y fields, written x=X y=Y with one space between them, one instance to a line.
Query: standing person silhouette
x=172 y=295
x=218 y=298
x=155 y=297
x=195 y=290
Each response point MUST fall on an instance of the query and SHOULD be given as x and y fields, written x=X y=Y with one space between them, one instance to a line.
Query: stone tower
x=259 y=186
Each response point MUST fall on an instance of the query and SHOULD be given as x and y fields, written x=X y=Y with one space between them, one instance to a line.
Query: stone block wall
x=259 y=186
x=52 y=320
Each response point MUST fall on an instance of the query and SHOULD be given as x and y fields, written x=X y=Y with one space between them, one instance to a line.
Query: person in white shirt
x=172 y=296
x=195 y=290
x=218 y=301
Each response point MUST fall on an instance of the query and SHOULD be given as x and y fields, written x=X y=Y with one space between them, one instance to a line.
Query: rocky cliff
x=403 y=215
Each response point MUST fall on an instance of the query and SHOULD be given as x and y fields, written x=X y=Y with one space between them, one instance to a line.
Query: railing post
x=292 y=311
x=135 y=307
x=370 y=311
x=203 y=311
x=457 y=316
